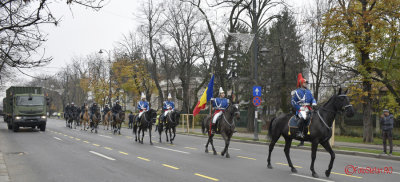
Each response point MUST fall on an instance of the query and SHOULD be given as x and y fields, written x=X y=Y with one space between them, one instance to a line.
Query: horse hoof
x=294 y=170
x=327 y=173
x=222 y=153
x=215 y=153
x=228 y=156
x=151 y=143
x=206 y=151
x=269 y=166
x=315 y=175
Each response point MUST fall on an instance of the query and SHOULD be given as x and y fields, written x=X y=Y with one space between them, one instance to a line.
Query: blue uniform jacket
x=143 y=105
x=168 y=104
x=300 y=97
x=220 y=103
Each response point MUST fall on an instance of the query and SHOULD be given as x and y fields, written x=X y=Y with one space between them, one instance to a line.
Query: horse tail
x=270 y=127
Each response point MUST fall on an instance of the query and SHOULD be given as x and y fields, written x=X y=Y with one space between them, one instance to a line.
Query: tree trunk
x=367 y=107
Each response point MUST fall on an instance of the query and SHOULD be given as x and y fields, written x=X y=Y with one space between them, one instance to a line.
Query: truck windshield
x=25 y=101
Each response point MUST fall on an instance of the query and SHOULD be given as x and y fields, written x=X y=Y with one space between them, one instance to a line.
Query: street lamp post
x=255 y=49
x=109 y=91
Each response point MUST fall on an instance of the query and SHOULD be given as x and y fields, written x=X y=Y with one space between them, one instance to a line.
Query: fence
x=191 y=122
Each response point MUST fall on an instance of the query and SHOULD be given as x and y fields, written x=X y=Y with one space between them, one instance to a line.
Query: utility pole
x=255 y=49
x=110 y=73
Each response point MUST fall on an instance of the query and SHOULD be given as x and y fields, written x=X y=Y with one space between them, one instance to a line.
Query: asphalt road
x=63 y=154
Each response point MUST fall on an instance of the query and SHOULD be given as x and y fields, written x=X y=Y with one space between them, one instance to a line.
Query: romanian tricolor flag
x=207 y=95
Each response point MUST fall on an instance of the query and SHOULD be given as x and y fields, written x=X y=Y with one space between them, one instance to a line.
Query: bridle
x=343 y=108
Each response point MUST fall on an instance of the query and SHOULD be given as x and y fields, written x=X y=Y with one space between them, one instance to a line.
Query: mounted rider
x=116 y=109
x=83 y=109
x=73 y=109
x=168 y=106
x=66 y=110
x=143 y=106
x=302 y=100
x=106 y=110
x=93 y=109
x=220 y=104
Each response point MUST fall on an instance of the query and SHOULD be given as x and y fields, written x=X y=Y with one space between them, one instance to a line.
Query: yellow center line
x=123 y=153
x=172 y=167
x=65 y=135
x=288 y=165
x=97 y=145
x=207 y=177
x=71 y=137
x=143 y=159
x=190 y=148
x=108 y=148
x=347 y=175
x=77 y=139
x=86 y=141
x=246 y=157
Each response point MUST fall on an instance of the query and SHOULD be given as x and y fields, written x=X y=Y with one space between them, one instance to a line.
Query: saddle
x=294 y=123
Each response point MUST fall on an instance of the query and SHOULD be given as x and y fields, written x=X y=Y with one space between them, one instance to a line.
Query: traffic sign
x=256 y=101
x=256 y=91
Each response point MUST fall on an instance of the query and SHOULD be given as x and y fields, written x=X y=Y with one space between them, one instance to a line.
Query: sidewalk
x=338 y=144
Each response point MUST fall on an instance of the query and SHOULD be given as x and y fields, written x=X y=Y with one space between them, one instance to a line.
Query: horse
x=85 y=119
x=172 y=120
x=320 y=130
x=116 y=124
x=70 y=119
x=66 y=117
x=95 y=121
x=226 y=127
x=160 y=127
x=76 y=119
x=107 y=119
x=145 y=122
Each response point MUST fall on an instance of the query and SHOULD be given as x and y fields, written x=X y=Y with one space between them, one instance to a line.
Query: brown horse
x=116 y=124
x=107 y=120
x=226 y=127
x=95 y=121
x=85 y=119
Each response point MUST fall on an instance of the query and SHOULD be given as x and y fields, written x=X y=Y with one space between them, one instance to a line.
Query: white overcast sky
x=83 y=31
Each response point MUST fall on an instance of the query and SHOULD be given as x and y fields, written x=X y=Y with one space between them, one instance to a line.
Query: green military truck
x=25 y=107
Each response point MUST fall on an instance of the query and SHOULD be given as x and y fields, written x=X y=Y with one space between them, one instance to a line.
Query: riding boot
x=213 y=128
x=300 y=129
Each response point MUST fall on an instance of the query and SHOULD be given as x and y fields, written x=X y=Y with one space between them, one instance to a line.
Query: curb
x=345 y=152
x=4 y=177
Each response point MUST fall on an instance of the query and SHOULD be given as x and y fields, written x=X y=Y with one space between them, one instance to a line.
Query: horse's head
x=152 y=114
x=234 y=111
x=342 y=103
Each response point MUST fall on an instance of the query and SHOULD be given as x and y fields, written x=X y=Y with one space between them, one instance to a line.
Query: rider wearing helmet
x=220 y=104
x=143 y=106
x=116 y=109
x=106 y=110
x=93 y=109
x=167 y=107
x=83 y=109
x=302 y=100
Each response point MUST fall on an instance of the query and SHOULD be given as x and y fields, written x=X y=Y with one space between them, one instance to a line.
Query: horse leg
x=95 y=127
x=271 y=148
x=223 y=134
x=314 y=147
x=208 y=141
x=166 y=133
x=328 y=148
x=212 y=145
x=170 y=135
x=151 y=143
x=142 y=135
x=288 y=143
x=174 y=131
x=134 y=131
x=159 y=130
x=119 y=128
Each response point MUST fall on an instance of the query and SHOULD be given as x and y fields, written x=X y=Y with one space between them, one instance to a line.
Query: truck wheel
x=15 y=127
x=43 y=127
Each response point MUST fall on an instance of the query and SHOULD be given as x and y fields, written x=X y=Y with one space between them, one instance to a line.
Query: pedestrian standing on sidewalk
x=130 y=124
x=387 y=126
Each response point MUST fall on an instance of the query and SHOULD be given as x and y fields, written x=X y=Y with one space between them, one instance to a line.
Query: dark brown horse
x=172 y=120
x=95 y=121
x=145 y=122
x=226 y=126
x=116 y=124
x=319 y=130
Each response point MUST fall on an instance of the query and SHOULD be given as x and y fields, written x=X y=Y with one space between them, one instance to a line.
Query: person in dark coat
x=387 y=127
